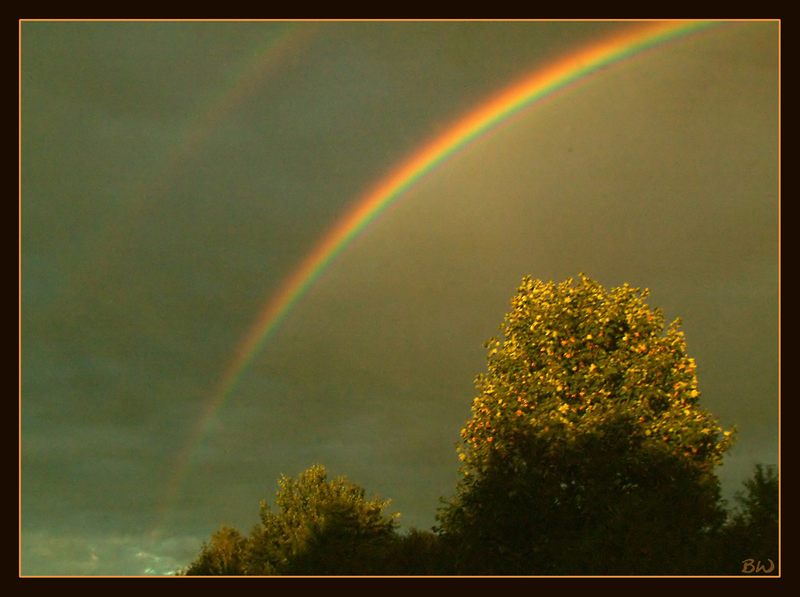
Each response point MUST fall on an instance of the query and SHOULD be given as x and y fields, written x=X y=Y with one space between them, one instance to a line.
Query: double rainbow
x=522 y=94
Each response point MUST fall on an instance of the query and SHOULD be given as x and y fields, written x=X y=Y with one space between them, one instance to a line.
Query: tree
x=321 y=527
x=587 y=451
x=417 y=553
x=222 y=556
x=758 y=504
x=752 y=530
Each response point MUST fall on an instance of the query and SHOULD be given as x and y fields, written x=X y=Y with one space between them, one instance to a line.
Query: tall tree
x=587 y=451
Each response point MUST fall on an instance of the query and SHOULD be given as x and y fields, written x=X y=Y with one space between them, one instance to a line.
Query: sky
x=176 y=176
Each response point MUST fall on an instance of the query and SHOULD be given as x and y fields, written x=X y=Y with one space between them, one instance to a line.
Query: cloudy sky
x=175 y=174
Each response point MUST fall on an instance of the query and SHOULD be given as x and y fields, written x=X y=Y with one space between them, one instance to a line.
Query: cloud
x=46 y=553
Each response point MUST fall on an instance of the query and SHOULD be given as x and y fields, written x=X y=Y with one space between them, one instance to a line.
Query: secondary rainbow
x=243 y=82
x=542 y=83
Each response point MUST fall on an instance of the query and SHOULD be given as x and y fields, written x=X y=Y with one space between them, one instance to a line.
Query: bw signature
x=753 y=566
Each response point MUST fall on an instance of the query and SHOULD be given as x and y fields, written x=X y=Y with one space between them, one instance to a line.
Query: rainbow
x=200 y=124
x=530 y=89
x=243 y=84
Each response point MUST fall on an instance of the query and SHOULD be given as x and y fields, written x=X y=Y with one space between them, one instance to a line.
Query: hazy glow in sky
x=175 y=175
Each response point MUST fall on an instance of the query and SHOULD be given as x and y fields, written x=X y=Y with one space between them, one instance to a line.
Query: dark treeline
x=587 y=453
x=327 y=527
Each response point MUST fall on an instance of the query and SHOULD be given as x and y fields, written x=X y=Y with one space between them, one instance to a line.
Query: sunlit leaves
x=577 y=352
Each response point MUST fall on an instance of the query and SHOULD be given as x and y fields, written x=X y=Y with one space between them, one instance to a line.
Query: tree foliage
x=223 y=555
x=752 y=530
x=418 y=553
x=587 y=443
x=759 y=502
x=320 y=527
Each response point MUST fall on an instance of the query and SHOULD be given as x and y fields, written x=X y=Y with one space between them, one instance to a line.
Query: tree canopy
x=223 y=555
x=752 y=531
x=320 y=527
x=587 y=445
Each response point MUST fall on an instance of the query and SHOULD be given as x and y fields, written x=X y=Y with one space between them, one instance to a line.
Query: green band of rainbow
x=542 y=83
